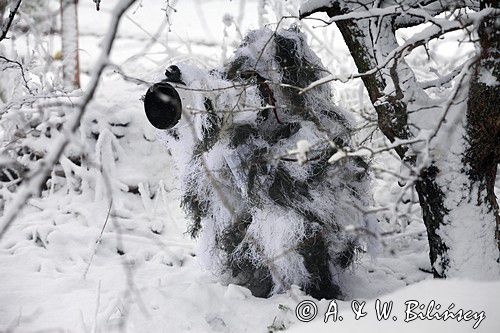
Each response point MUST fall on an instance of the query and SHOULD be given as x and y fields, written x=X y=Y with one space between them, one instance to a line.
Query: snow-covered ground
x=68 y=266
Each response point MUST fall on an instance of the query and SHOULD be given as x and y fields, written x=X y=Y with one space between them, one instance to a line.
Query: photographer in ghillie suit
x=267 y=207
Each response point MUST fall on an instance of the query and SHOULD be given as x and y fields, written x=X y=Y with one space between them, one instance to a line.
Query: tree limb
x=7 y=24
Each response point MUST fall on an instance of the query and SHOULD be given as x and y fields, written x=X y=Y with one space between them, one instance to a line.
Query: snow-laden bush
x=253 y=155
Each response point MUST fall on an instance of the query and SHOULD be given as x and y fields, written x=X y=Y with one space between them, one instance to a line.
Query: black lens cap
x=163 y=106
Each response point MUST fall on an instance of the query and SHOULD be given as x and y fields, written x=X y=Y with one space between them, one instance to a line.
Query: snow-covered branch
x=405 y=13
x=441 y=27
x=34 y=181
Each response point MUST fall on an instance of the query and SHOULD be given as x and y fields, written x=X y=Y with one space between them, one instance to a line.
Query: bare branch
x=7 y=24
x=17 y=63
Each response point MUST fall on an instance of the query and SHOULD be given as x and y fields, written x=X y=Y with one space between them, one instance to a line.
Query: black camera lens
x=163 y=105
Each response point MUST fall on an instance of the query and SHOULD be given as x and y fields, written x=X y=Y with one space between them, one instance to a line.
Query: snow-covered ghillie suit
x=264 y=220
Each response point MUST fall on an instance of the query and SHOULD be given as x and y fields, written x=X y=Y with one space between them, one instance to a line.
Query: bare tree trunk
x=69 y=37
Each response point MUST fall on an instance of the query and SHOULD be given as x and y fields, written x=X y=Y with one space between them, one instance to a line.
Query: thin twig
x=22 y=71
x=98 y=241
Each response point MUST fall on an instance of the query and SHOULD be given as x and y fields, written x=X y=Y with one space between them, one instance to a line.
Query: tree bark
x=3 y=5
x=483 y=117
x=69 y=37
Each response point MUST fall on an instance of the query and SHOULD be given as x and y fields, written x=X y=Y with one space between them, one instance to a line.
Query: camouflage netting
x=264 y=220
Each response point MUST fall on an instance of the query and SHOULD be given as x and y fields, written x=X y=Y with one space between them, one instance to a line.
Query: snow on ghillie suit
x=264 y=220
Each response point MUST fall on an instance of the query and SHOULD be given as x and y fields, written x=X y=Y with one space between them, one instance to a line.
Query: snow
x=466 y=295
x=469 y=223
x=311 y=5
x=141 y=274
x=303 y=147
x=487 y=78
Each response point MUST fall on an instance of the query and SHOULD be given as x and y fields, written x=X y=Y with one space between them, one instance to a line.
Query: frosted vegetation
x=92 y=235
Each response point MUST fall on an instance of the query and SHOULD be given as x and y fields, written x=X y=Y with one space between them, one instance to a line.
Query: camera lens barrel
x=163 y=105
